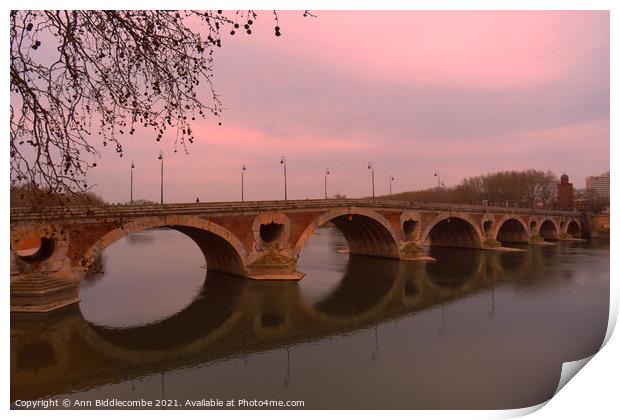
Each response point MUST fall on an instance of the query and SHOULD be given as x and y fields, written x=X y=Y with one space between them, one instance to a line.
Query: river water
x=473 y=330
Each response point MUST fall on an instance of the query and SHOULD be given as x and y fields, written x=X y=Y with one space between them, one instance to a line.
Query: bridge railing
x=126 y=210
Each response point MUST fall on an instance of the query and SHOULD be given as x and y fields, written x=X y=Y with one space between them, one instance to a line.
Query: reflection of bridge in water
x=62 y=352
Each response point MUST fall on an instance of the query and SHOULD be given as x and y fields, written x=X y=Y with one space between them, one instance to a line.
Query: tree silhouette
x=84 y=79
x=529 y=188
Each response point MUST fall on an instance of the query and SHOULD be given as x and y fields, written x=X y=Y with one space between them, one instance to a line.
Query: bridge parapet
x=107 y=211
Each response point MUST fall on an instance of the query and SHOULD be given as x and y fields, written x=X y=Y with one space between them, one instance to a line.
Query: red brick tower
x=565 y=194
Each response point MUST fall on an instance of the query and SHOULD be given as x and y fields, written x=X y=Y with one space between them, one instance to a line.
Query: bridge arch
x=549 y=230
x=512 y=229
x=366 y=232
x=222 y=250
x=573 y=228
x=453 y=231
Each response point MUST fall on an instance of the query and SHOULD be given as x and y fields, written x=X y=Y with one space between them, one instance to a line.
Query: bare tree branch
x=85 y=79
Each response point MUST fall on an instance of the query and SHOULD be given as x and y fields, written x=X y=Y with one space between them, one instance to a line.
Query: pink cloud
x=252 y=141
x=465 y=48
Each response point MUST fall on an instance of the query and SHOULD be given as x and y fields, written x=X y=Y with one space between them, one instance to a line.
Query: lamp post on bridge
x=372 y=175
x=391 y=179
x=131 y=183
x=242 y=171
x=439 y=185
x=283 y=162
x=326 y=173
x=161 y=157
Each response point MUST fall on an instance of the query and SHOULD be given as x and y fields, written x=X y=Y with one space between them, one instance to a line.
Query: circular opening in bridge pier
x=532 y=225
x=271 y=232
x=562 y=224
x=488 y=227
x=409 y=227
x=35 y=249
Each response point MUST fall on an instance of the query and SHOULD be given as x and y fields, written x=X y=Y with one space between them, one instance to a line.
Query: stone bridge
x=259 y=240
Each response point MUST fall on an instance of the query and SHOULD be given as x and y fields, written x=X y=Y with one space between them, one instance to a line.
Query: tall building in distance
x=599 y=184
x=565 y=194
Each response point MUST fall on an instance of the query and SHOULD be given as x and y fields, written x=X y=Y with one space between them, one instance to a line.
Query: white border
x=593 y=393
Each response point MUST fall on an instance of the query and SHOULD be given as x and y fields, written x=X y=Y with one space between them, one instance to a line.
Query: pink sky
x=462 y=92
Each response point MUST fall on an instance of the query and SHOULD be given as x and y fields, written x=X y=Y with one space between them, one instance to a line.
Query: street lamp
x=131 y=184
x=391 y=179
x=439 y=185
x=161 y=157
x=372 y=174
x=326 y=173
x=283 y=162
x=242 y=171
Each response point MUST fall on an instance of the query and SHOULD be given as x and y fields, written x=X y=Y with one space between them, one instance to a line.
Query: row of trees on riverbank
x=529 y=188
x=29 y=196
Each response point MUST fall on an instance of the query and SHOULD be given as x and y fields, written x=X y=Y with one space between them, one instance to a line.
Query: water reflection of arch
x=42 y=353
x=499 y=267
x=411 y=281
x=513 y=261
x=464 y=266
x=546 y=255
x=527 y=270
x=366 y=288
x=74 y=337
x=468 y=272
x=271 y=305
x=203 y=321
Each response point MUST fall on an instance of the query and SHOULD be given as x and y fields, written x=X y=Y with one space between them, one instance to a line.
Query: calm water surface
x=474 y=329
